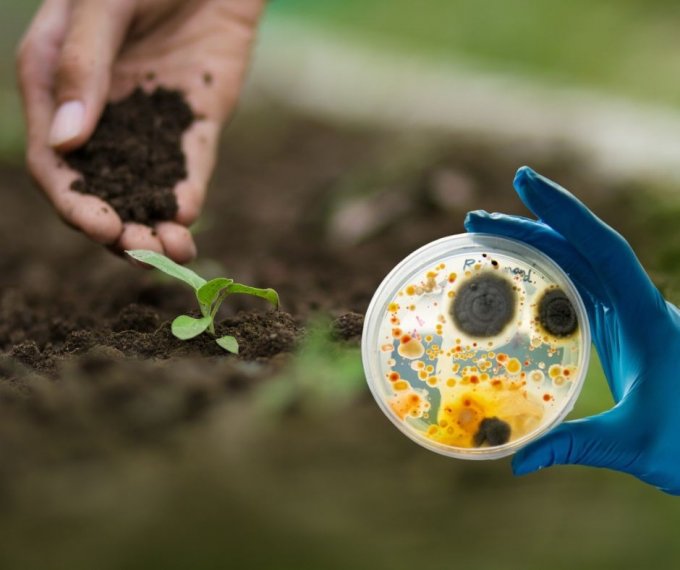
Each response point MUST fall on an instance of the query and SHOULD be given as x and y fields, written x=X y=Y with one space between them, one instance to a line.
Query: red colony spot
x=394 y=376
x=406 y=338
x=547 y=397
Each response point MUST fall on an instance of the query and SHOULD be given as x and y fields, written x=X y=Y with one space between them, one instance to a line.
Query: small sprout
x=228 y=343
x=210 y=295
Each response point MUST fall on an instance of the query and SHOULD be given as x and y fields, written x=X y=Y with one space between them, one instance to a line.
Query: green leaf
x=167 y=266
x=209 y=292
x=228 y=343
x=268 y=294
x=185 y=327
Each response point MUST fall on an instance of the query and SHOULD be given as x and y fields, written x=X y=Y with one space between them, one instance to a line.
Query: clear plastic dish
x=475 y=345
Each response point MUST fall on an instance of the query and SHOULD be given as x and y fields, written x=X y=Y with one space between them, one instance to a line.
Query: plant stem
x=216 y=307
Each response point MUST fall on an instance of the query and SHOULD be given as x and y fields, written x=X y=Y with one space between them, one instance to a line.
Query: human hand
x=636 y=333
x=79 y=54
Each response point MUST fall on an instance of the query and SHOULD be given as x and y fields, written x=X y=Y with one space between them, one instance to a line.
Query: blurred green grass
x=629 y=47
x=16 y=15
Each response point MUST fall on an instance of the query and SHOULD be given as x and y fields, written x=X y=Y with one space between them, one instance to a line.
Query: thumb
x=598 y=441
x=95 y=33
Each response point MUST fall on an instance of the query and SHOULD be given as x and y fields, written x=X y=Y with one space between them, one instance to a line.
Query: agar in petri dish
x=475 y=345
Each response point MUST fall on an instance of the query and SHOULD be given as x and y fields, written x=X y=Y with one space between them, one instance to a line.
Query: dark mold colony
x=484 y=305
x=556 y=314
x=492 y=431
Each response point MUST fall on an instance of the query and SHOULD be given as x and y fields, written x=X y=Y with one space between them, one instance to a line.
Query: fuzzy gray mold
x=493 y=431
x=556 y=314
x=484 y=305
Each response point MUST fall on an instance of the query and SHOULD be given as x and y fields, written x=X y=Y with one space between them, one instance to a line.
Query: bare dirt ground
x=122 y=447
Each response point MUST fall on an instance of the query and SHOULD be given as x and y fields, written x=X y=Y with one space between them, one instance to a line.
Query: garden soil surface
x=93 y=385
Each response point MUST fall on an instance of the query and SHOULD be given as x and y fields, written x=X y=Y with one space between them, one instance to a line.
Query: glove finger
x=607 y=251
x=586 y=280
x=549 y=242
x=597 y=441
x=592 y=291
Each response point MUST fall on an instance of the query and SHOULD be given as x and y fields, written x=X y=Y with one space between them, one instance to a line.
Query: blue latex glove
x=636 y=333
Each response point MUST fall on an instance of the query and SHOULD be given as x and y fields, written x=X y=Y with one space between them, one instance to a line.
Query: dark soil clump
x=261 y=335
x=134 y=159
x=348 y=327
x=136 y=317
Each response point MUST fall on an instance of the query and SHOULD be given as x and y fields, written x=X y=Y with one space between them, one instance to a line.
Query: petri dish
x=475 y=345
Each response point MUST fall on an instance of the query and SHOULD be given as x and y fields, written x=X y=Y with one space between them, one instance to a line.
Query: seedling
x=210 y=295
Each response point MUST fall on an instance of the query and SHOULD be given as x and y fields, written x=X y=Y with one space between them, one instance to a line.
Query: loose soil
x=275 y=218
x=108 y=420
x=134 y=158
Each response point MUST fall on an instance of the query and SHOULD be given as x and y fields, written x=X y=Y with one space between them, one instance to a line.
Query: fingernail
x=67 y=123
x=193 y=251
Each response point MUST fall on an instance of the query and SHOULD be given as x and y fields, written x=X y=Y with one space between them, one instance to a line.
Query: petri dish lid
x=475 y=345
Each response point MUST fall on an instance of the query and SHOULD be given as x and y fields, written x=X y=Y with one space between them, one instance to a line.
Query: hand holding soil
x=80 y=54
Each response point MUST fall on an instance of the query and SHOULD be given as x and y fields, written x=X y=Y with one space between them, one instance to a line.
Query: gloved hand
x=636 y=333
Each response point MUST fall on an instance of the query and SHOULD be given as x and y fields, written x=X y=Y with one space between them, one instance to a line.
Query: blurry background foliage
x=629 y=47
